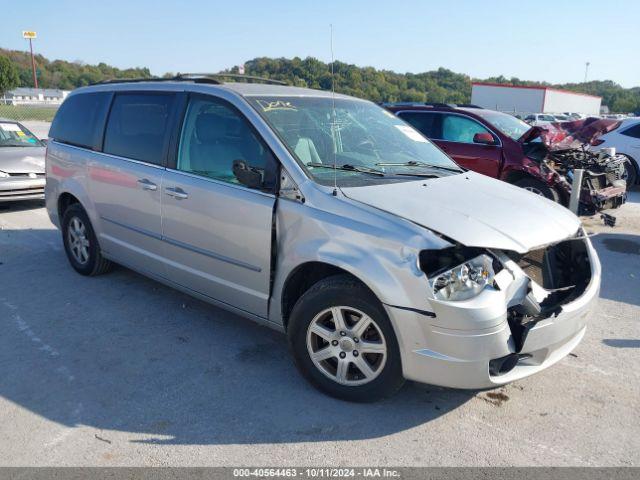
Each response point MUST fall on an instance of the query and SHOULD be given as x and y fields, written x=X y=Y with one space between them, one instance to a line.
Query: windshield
x=367 y=143
x=509 y=125
x=14 y=135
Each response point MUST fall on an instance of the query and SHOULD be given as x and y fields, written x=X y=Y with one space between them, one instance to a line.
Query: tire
x=88 y=260
x=539 y=188
x=367 y=376
x=630 y=172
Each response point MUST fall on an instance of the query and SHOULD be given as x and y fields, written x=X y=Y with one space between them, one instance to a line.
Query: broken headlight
x=465 y=280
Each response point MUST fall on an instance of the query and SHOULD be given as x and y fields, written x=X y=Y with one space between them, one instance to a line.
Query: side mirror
x=484 y=138
x=246 y=175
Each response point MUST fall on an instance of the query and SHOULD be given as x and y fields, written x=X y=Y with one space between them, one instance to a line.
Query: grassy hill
x=440 y=85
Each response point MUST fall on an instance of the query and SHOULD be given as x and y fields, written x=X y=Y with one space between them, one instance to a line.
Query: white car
x=562 y=118
x=626 y=140
x=539 y=119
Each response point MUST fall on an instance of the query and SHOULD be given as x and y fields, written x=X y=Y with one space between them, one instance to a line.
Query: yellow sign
x=28 y=34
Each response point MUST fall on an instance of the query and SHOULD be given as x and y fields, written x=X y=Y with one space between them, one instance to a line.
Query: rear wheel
x=539 y=188
x=81 y=244
x=343 y=341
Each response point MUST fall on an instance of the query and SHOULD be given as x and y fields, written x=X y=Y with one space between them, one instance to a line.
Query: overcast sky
x=533 y=40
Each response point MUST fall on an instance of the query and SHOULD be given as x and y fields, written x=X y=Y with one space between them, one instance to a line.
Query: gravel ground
x=120 y=370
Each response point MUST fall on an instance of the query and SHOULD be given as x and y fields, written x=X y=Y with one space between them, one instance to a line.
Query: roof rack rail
x=469 y=105
x=235 y=76
x=177 y=78
x=418 y=104
x=212 y=78
x=440 y=104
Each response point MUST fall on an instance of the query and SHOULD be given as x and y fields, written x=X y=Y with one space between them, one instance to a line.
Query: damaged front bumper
x=492 y=340
x=593 y=201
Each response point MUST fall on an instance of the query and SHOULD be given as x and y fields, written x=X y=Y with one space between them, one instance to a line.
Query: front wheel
x=539 y=188
x=630 y=175
x=343 y=342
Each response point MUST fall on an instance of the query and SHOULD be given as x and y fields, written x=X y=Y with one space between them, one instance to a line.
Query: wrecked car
x=540 y=159
x=325 y=217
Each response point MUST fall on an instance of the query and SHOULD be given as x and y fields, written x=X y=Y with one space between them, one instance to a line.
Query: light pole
x=30 y=36
x=586 y=71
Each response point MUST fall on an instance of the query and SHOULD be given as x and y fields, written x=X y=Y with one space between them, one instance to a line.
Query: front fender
x=383 y=257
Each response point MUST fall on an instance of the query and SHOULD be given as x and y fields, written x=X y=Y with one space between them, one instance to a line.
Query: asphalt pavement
x=120 y=370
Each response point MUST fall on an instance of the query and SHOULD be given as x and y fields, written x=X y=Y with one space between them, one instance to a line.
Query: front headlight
x=3 y=174
x=464 y=281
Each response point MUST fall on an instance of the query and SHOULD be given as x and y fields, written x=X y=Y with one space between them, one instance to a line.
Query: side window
x=426 y=123
x=460 y=129
x=138 y=126
x=80 y=119
x=632 y=131
x=215 y=137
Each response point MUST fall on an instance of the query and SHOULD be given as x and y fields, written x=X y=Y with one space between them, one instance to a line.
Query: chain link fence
x=35 y=117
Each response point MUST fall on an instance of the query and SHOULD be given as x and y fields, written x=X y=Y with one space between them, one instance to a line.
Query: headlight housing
x=3 y=174
x=464 y=281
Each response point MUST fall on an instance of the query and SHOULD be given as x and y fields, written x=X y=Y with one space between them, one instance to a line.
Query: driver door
x=217 y=231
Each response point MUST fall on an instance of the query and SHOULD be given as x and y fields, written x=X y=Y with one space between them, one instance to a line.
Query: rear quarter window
x=138 y=126
x=426 y=123
x=80 y=119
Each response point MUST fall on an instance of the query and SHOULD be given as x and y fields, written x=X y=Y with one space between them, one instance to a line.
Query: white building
x=524 y=99
x=34 y=96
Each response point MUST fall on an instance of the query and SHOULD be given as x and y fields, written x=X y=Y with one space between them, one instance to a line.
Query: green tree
x=8 y=75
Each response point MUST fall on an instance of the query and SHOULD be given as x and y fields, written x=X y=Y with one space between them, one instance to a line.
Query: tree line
x=441 y=85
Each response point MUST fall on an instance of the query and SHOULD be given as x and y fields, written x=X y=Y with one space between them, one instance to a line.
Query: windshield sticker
x=411 y=133
x=20 y=133
x=10 y=127
x=276 y=105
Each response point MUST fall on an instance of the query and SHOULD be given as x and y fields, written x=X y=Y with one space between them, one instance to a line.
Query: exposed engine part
x=561 y=148
x=603 y=184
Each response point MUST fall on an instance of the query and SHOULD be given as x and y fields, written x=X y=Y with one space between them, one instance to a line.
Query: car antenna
x=333 y=116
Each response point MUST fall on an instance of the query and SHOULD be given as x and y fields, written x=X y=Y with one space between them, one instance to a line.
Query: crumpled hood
x=22 y=159
x=569 y=135
x=474 y=210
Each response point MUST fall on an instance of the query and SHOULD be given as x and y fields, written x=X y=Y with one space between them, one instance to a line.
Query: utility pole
x=30 y=36
x=586 y=71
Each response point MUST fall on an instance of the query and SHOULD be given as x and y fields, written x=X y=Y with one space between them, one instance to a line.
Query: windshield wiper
x=413 y=163
x=348 y=167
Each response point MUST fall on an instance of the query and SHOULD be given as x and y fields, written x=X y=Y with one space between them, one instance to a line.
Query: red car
x=540 y=159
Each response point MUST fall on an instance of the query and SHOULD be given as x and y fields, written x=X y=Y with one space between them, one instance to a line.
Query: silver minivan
x=328 y=218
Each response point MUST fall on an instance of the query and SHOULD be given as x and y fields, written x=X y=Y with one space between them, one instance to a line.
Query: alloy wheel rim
x=78 y=241
x=346 y=345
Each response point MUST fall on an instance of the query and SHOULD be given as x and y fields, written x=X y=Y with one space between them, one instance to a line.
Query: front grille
x=564 y=264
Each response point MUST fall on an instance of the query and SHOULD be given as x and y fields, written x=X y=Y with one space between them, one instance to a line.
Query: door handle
x=176 y=192
x=146 y=184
